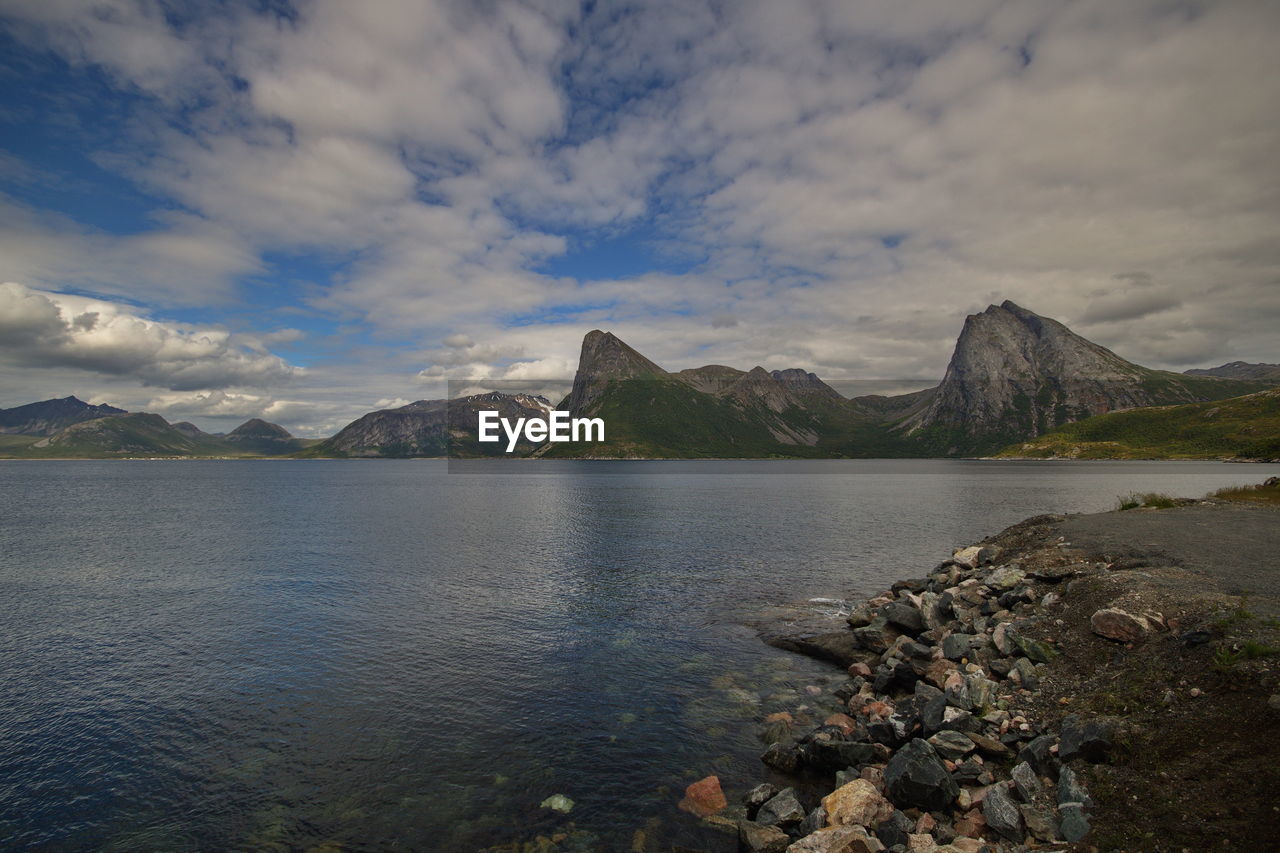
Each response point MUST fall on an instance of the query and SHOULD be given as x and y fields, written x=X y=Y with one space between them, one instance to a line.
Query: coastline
x=1061 y=685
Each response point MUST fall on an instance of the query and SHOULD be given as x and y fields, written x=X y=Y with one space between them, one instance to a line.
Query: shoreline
x=1025 y=695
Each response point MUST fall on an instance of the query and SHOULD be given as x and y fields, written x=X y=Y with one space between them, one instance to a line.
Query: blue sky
x=306 y=211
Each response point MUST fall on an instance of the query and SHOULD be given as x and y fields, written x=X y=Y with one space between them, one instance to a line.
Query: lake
x=384 y=655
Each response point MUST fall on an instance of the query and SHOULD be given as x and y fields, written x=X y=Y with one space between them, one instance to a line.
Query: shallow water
x=383 y=654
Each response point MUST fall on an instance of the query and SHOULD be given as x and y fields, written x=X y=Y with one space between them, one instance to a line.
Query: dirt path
x=1235 y=545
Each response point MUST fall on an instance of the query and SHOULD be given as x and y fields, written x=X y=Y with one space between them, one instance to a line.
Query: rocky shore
x=987 y=701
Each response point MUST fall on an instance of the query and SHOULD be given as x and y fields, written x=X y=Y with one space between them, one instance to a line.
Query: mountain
x=190 y=430
x=262 y=438
x=126 y=435
x=1245 y=427
x=1241 y=370
x=50 y=416
x=432 y=428
x=1015 y=374
x=603 y=359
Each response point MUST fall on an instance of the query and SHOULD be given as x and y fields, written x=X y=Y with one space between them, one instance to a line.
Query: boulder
x=558 y=803
x=813 y=821
x=1002 y=814
x=757 y=797
x=783 y=757
x=839 y=647
x=904 y=617
x=974 y=556
x=838 y=839
x=1075 y=825
x=917 y=777
x=1090 y=740
x=1039 y=822
x=754 y=838
x=1071 y=790
x=1025 y=782
x=952 y=745
x=1120 y=625
x=1038 y=753
x=957 y=646
x=856 y=803
x=783 y=809
x=704 y=797
x=1005 y=578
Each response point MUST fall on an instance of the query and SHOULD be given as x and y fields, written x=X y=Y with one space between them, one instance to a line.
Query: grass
x=1265 y=492
x=1226 y=657
x=1156 y=500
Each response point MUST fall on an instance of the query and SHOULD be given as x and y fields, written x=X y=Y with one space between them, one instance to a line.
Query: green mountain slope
x=1245 y=427
x=141 y=435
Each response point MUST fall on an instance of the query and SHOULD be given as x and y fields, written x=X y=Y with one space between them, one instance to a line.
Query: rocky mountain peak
x=257 y=428
x=803 y=382
x=606 y=357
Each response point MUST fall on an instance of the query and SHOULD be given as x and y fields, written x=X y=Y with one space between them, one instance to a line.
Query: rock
x=843 y=722
x=1122 y=626
x=839 y=647
x=893 y=832
x=1037 y=650
x=971 y=825
x=1038 y=753
x=856 y=803
x=974 y=556
x=1001 y=813
x=954 y=719
x=1273 y=702
x=1040 y=823
x=754 y=838
x=921 y=842
x=838 y=839
x=953 y=745
x=1026 y=672
x=1005 y=578
x=813 y=821
x=904 y=617
x=783 y=757
x=558 y=803
x=1071 y=790
x=783 y=809
x=704 y=797
x=916 y=776
x=964 y=845
x=835 y=755
x=1025 y=782
x=957 y=646
x=1075 y=825
x=1090 y=740
x=860 y=669
x=757 y=797
x=860 y=616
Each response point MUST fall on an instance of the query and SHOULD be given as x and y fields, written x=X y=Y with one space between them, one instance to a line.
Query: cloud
x=41 y=329
x=224 y=404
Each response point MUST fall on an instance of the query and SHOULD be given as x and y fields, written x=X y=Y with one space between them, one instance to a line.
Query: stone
x=860 y=668
x=1075 y=824
x=1071 y=790
x=1005 y=577
x=921 y=842
x=783 y=809
x=937 y=671
x=1002 y=814
x=844 y=722
x=836 y=755
x=964 y=845
x=856 y=803
x=704 y=797
x=812 y=822
x=754 y=838
x=860 y=616
x=1025 y=782
x=904 y=617
x=1090 y=740
x=783 y=757
x=1039 y=822
x=757 y=797
x=1038 y=753
x=838 y=839
x=916 y=776
x=971 y=824
x=953 y=745
x=558 y=803
x=1027 y=674
x=1037 y=650
x=893 y=832
x=1120 y=625
x=974 y=556
x=957 y=646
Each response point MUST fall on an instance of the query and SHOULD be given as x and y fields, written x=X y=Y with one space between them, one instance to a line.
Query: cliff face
x=51 y=416
x=1015 y=374
x=604 y=357
x=432 y=428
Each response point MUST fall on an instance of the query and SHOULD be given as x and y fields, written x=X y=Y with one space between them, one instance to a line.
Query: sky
x=305 y=211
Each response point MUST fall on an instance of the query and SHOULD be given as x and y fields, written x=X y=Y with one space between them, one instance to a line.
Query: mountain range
x=1013 y=376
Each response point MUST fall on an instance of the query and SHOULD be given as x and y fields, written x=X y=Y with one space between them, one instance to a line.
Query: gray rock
x=1092 y=740
x=1072 y=790
x=754 y=838
x=1039 y=822
x=783 y=809
x=1002 y=813
x=814 y=821
x=783 y=757
x=833 y=755
x=952 y=745
x=1037 y=753
x=860 y=616
x=957 y=646
x=757 y=797
x=1005 y=577
x=904 y=617
x=1025 y=782
x=916 y=776
x=1027 y=673
x=1075 y=824
x=1037 y=650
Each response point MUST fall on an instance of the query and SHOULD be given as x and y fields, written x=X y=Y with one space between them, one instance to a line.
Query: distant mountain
x=133 y=434
x=49 y=416
x=1241 y=370
x=1245 y=427
x=190 y=430
x=1015 y=374
x=263 y=438
x=432 y=428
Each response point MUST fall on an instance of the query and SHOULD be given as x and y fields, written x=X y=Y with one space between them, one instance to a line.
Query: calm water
x=384 y=655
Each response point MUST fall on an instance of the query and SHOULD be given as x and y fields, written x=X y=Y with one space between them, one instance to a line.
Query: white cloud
x=42 y=329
